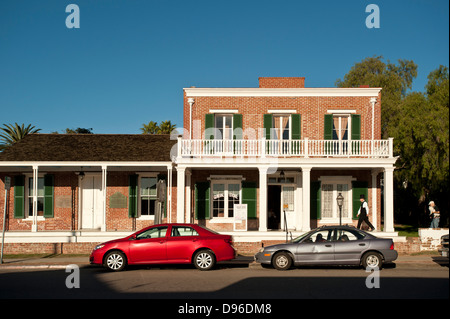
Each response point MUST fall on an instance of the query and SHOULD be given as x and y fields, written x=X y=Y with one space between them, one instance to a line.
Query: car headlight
x=261 y=250
x=99 y=246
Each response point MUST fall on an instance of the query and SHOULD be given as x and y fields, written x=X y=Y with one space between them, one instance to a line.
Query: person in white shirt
x=363 y=213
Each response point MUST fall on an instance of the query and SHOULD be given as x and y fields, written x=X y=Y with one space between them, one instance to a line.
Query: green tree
x=11 y=134
x=150 y=128
x=165 y=127
x=394 y=79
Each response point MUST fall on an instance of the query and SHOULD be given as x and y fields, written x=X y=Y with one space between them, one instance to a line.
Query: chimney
x=281 y=82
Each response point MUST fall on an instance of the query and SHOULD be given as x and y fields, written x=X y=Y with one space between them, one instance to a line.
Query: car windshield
x=301 y=237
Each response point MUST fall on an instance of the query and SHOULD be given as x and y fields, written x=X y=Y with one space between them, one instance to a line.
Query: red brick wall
x=281 y=82
x=311 y=108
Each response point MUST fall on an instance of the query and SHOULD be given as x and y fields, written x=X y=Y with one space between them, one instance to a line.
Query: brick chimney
x=281 y=82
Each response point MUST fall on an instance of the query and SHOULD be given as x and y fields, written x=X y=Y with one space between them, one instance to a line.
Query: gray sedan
x=330 y=245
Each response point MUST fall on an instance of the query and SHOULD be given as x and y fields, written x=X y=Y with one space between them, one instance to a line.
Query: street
x=229 y=281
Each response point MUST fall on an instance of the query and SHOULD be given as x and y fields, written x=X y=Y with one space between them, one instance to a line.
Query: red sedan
x=165 y=244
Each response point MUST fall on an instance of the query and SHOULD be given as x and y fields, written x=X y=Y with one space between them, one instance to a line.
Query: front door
x=91 y=202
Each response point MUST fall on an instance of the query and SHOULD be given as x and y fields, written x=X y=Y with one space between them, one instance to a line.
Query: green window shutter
x=19 y=196
x=249 y=198
x=328 y=127
x=268 y=124
x=356 y=127
x=358 y=188
x=49 y=185
x=315 y=203
x=202 y=191
x=132 y=196
x=296 y=132
x=237 y=126
x=209 y=126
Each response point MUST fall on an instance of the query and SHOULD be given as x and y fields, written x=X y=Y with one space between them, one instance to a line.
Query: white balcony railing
x=285 y=148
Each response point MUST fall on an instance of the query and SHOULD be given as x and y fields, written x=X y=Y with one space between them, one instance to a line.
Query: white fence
x=285 y=148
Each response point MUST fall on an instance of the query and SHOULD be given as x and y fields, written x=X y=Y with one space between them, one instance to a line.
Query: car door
x=182 y=243
x=149 y=246
x=316 y=249
x=349 y=246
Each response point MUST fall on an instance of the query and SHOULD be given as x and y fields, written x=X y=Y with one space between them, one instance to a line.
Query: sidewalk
x=61 y=261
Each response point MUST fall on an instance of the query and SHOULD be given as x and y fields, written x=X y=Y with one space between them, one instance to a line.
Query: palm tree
x=166 y=127
x=11 y=134
x=150 y=128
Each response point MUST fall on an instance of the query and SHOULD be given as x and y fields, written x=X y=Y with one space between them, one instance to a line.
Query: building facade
x=258 y=163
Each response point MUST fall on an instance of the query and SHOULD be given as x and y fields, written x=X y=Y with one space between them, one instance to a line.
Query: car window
x=348 y=235
x=320 y=236
x=155 y=232
x=183 y=231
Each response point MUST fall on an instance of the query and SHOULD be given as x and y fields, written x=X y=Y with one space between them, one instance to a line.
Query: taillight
x=392 y=246
x=229 y=240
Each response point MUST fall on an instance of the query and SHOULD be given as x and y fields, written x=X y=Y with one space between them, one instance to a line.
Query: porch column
x=188 y=196
x=35 y=201
x=181 y=172
x=104 y=189
x=389 y=199
x=169 y=193
x=374 y=199
x=262 y=198
x=306 y=185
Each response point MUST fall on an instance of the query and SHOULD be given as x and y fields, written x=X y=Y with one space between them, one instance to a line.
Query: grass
x=407 y=230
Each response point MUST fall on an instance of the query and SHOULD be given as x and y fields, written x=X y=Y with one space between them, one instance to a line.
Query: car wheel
x=115 y=261
x=372 y=260
x=282 y=261
x=204 y=260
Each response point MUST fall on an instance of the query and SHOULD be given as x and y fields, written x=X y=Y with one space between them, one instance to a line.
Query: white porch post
x=188 y=196
x=104 y=189
x=306 y=185
x=388 y=199
x=262 y=198
x=169 y=194
x=181 y=204
x=35 y=193
x=374 y=199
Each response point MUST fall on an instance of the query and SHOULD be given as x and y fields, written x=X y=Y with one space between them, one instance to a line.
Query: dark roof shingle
x=90 y=147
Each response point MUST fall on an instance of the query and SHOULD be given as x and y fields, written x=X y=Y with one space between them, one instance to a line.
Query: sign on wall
x=240 y=217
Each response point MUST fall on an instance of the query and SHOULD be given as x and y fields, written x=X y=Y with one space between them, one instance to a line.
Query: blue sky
x=129 y=61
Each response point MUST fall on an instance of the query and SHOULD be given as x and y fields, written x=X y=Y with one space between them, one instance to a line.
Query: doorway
x=91 y=202
x=274 y=207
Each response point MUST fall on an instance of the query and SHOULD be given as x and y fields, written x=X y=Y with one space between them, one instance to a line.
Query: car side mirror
x=133 y=237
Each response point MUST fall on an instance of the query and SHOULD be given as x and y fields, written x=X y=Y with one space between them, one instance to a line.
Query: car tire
x=282 y=261
x=204 y=260
x=115 y=261
x=372 y=260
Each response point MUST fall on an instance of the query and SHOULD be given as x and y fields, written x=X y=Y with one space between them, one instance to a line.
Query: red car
x=165 y=244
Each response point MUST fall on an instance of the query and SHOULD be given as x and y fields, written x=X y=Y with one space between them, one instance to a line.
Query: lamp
x=282 y=176
x=340 y=203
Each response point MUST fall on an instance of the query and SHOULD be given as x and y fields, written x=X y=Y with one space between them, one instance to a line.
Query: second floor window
x=280 y=127
x=224 y=126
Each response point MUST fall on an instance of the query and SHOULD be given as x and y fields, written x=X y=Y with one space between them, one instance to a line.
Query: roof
x=90 y=147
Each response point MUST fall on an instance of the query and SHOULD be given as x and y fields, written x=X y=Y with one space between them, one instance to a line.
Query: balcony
x=305 y=148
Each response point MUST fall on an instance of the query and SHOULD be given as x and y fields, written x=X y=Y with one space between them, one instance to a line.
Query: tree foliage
x=165 y=127
x=419 y=123
x=11 y=134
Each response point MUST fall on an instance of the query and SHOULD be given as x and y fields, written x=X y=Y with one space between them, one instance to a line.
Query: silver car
x=330 y=245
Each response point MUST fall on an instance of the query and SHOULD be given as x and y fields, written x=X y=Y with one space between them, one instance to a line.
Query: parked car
x=165 y=244
x=444 y=246
x=330 y=245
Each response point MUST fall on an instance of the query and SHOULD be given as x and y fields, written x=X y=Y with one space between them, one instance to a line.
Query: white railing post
x=391 y=147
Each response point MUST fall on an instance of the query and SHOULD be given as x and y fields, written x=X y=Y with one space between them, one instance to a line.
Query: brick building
x=256 y=163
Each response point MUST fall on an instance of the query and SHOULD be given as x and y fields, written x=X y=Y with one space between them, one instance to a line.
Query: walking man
x=363 y=212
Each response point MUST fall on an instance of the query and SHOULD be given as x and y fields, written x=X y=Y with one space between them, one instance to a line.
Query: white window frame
x=223 y=128
x=145 y=175
x=335 y=180
x=29 y=177
x=226 y=182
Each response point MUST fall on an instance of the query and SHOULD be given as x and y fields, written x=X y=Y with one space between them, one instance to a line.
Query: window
x=321 y=236
x=156 y=232
x=224 y=196
x=347 y=235
x=330 y=189
x=340 y=127
x=280 y=127
x=147 y=194
x=40 y=197
x=224 y=126
x=183 y=231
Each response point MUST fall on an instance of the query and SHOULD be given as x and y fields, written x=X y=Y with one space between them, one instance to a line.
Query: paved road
x=235 y=281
